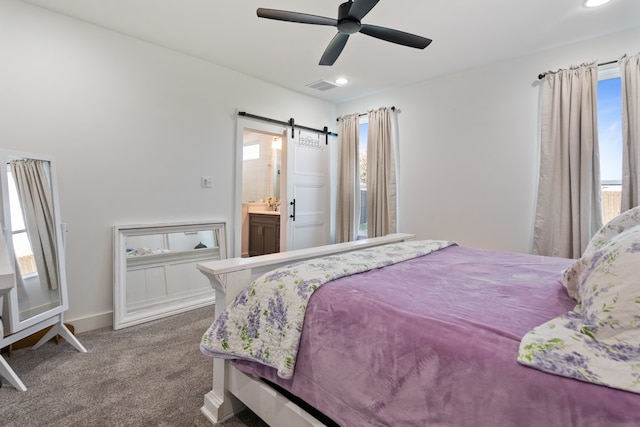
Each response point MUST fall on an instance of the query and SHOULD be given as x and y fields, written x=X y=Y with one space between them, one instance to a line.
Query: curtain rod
x=541 y=75
x=393 y=108
x=291 y=123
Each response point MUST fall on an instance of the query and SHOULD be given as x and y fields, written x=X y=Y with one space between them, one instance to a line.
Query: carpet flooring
x=146 y=375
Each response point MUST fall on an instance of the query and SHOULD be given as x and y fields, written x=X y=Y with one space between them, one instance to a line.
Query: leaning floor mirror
x=155 y=272
x=34 y=237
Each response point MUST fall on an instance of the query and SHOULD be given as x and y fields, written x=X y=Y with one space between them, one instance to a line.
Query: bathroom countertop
x=265 y=212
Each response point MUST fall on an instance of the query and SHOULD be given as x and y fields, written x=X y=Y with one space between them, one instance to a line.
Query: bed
x=435 y=339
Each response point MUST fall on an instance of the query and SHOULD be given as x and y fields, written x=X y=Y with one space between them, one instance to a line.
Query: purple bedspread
x=433 y=342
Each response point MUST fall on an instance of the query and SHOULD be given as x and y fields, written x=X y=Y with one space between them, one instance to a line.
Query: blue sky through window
x=610 y=129
x=364 y=129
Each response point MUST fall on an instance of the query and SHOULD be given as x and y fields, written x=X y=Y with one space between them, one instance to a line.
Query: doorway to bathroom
x=283 y=189
x=261 y=195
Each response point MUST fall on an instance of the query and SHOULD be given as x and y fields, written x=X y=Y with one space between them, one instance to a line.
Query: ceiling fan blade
x=395 y=36
x=334 y=49
x=360 y=8
x=303 y=18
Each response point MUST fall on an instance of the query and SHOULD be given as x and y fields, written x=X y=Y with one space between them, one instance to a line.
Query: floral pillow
x=617 y=225
x=573 y=275
x=610 y=287
x=599 y=340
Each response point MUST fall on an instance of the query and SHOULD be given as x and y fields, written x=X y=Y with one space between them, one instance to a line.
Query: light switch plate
x=206 y=182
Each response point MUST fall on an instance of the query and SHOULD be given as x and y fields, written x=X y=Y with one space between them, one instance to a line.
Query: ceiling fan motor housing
x=347 y=24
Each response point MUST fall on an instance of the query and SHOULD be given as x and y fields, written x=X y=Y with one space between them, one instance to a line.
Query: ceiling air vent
x=322 y=85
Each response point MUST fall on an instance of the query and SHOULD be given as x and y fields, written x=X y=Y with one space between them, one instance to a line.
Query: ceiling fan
x=350 y=14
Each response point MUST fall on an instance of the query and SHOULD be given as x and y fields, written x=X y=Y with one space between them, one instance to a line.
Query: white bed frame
x=232 y=389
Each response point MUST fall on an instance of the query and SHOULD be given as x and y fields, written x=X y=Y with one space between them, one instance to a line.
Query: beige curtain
x=34 y=191
x=348 y=192
x=630 y=76
x=381 y=175
x=568 y=210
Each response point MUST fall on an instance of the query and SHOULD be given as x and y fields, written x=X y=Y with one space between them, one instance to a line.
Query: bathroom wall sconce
x=276 y=144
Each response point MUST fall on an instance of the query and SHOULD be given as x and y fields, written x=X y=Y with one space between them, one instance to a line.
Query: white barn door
x=305 y=177
x=308 y=191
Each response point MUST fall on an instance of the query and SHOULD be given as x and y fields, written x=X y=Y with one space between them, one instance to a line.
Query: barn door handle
x=293 y=215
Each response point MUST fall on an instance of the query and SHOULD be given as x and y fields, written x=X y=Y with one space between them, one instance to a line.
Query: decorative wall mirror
x=34 y=237
x=155 y=272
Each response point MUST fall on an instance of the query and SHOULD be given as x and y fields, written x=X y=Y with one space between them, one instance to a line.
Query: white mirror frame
x=123 y=316
x=40 y=316
x=11 y=316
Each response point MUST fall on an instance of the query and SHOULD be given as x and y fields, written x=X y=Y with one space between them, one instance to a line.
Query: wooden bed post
x=219 y=403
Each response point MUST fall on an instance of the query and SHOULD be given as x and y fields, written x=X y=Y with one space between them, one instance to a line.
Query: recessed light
x=596 y=3
x=341 y=81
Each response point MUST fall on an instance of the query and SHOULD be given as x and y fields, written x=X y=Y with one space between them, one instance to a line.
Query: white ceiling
x=465 y=33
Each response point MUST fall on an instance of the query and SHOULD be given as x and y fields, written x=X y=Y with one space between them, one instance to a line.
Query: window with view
x=251 y=152
x=610 y=141
x=362 y=171
x=21 y=245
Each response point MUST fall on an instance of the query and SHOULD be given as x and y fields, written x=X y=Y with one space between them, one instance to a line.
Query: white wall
x=132 y=127
x=469 y=145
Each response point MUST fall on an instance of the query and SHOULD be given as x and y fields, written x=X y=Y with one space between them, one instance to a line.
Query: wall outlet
x=206 y=182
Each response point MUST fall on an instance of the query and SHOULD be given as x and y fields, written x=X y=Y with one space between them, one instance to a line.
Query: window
x=251 y=152
x=610 y=141
x=362 y=172
x=21 y=245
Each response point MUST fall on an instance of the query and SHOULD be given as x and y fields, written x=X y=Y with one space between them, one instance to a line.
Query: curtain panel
x=381 y=175
x=348 y=196
x=630 y=79
x=568 y=209
x=36 y=200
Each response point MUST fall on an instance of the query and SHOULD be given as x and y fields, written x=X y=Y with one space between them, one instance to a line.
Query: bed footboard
x=232 y=389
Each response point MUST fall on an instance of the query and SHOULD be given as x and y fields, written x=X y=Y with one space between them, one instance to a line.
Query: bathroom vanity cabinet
x=264 y=233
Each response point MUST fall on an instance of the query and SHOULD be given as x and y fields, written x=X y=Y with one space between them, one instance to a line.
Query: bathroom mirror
x=155 y=272
x=261 y=166
x=33 y=232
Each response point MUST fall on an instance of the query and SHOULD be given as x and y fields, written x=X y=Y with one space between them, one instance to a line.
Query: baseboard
x=90 y=323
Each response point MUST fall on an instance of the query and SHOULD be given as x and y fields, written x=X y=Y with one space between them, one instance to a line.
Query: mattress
x=434 y=340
